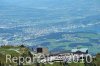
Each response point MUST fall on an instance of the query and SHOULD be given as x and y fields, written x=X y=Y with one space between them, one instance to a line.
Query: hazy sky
x=50 y=3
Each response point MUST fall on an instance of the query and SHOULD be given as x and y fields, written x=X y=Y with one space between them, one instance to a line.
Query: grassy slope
x=5 y=50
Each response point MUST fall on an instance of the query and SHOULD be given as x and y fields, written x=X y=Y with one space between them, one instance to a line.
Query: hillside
x=15 y=53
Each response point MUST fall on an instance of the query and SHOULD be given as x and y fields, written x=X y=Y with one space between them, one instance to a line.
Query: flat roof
x=81 y=49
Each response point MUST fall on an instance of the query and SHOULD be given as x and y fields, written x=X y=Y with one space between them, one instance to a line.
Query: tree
x=0 y=63
x=22 y=46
